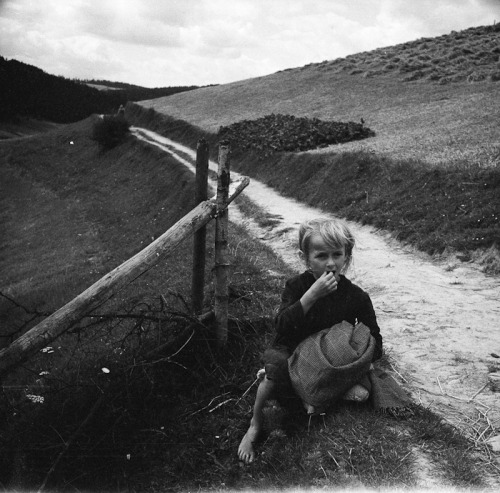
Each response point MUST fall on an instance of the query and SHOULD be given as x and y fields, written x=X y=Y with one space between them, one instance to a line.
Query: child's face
x=323 y=258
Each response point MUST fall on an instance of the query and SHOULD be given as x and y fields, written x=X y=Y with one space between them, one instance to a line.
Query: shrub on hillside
x=288 y=133
x=110 y=130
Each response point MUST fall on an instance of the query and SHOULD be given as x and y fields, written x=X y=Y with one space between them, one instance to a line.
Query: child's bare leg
x=246 y=451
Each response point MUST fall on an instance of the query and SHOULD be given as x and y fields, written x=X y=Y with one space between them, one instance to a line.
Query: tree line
x=27 y=91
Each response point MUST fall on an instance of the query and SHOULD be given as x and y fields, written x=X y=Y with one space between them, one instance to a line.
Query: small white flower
x=37 y=399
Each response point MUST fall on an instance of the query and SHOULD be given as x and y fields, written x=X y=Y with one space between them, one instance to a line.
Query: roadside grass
x=442 y=210
x=349 y=447
x=149 y=403
x=430 y=208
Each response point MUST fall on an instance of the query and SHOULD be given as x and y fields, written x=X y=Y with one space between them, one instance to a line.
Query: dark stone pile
x=288 y=133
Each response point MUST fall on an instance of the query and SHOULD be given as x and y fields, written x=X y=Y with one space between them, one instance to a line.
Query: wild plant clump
x=110 y=130
x=288 y=133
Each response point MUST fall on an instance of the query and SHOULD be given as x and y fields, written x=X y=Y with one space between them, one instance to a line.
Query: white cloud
x=184 y=42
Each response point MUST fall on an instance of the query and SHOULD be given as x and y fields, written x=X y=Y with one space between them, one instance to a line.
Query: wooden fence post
x=221 y=258
x=199 y=242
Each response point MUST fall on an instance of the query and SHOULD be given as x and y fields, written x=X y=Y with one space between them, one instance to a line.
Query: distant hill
x=27 y=91
x=137 y=93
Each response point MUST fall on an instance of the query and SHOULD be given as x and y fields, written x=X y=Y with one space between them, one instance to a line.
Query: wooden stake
x=221 y=257
x=199 y=241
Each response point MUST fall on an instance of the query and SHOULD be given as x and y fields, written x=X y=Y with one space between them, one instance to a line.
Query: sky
x=159 y=43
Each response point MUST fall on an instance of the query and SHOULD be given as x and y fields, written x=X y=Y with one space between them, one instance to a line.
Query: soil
x=439 y=317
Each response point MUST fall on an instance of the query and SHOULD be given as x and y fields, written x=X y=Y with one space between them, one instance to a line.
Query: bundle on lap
x=326 y=365
x=327 y=334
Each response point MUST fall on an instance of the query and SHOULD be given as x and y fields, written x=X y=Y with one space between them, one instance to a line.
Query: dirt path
x=440 y=321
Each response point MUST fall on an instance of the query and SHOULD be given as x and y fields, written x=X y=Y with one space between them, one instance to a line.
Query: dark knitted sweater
x=349 y=302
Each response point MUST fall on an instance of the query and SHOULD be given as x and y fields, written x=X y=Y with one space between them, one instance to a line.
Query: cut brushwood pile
x=289 y=133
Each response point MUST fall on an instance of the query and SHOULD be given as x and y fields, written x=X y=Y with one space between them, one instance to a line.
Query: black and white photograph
x=249 y=246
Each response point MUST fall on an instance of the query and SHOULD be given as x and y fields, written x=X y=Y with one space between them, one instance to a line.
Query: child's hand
x=323 y=286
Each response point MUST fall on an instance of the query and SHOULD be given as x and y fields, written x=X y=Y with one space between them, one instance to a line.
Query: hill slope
x=432 y=99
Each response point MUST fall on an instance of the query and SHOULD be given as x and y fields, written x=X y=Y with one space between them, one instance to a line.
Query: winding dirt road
x=440 y=320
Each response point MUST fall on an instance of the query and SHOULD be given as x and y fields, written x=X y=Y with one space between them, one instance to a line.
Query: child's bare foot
x=358 y=393
x=246 y=451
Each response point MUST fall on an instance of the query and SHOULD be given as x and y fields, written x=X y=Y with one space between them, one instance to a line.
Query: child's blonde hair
x=334 y=233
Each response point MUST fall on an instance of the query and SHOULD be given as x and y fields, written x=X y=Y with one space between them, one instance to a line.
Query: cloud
x=131 y=22
x=430 y=17
x=184 y=42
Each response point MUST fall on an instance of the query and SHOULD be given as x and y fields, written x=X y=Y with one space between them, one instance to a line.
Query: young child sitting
x=317 y=299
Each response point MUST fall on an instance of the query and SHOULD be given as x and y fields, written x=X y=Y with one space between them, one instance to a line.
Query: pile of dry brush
x=288 y=133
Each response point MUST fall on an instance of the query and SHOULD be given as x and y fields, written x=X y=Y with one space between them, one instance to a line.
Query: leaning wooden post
x=221 y=258
x=199 y=242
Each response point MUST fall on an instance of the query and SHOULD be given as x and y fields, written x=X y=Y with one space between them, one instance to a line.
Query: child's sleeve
x=367 y=316
x=290 y=320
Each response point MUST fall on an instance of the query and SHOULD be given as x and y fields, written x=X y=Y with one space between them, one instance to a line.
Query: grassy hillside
x=60 y=178
x=436 y=118
x=431 y=172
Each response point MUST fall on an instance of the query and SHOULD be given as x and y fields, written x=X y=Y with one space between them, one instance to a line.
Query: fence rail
x=63 y=319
